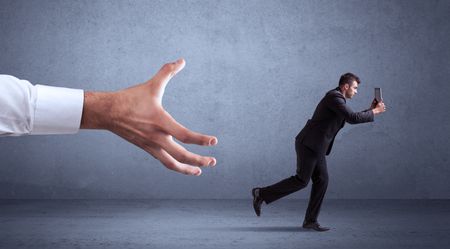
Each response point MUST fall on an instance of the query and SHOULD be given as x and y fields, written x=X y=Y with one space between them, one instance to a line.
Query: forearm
x=354 y=117
x=98 y=110
x=360 y=117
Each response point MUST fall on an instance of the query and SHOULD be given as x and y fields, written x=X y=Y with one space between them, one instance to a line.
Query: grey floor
x=221 y=224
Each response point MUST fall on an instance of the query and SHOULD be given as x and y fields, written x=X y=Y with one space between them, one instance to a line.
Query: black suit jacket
x=329 y=117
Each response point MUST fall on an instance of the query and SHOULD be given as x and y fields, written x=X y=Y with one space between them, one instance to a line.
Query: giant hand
x=137 y=115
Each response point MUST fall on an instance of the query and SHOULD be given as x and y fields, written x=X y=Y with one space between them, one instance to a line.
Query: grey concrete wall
x=255 y=72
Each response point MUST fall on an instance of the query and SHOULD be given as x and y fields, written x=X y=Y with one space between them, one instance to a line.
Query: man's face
x=351 y=90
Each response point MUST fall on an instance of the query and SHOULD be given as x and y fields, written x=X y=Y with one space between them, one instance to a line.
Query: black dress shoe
x=257 y=201
x=315 y=226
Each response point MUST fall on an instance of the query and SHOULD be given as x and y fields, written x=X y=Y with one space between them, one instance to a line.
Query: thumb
x=163 y=76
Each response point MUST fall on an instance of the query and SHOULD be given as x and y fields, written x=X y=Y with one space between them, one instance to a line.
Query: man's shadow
x=265 y=229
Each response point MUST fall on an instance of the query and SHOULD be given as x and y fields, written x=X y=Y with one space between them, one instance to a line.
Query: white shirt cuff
x=58 y=110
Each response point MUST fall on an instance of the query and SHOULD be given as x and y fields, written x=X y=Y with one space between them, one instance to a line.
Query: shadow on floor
x=265 y=229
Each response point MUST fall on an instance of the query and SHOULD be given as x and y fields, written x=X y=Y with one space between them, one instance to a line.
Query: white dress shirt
x=27 y=109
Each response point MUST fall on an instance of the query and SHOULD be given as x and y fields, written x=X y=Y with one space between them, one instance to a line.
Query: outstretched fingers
x=184 y=156
x=169 y=162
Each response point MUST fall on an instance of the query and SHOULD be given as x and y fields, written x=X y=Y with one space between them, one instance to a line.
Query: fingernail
x=197 y=172
x=213 y=141
x=212 y=162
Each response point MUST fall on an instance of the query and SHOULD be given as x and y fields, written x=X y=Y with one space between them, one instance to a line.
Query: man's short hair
x=348 y=78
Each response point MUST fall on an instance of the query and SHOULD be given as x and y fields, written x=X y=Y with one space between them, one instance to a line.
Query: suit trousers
x=309 y=166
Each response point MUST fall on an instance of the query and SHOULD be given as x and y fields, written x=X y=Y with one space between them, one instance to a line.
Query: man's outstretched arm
x=135 y=114
x=339 y=106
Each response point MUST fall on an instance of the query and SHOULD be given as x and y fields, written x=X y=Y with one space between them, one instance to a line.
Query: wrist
x=97 y=109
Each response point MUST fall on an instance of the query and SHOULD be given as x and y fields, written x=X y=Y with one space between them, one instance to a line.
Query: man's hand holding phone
x=377 y=103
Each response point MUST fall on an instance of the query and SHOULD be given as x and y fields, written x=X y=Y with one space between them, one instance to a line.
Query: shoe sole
x=317 y=230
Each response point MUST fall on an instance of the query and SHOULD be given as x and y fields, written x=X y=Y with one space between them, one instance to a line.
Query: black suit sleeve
x=338 y=105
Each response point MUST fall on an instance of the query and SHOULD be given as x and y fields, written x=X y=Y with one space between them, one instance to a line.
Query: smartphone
x=378 y=96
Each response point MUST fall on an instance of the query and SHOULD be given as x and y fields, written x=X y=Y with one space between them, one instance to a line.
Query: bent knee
x=321 y=180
